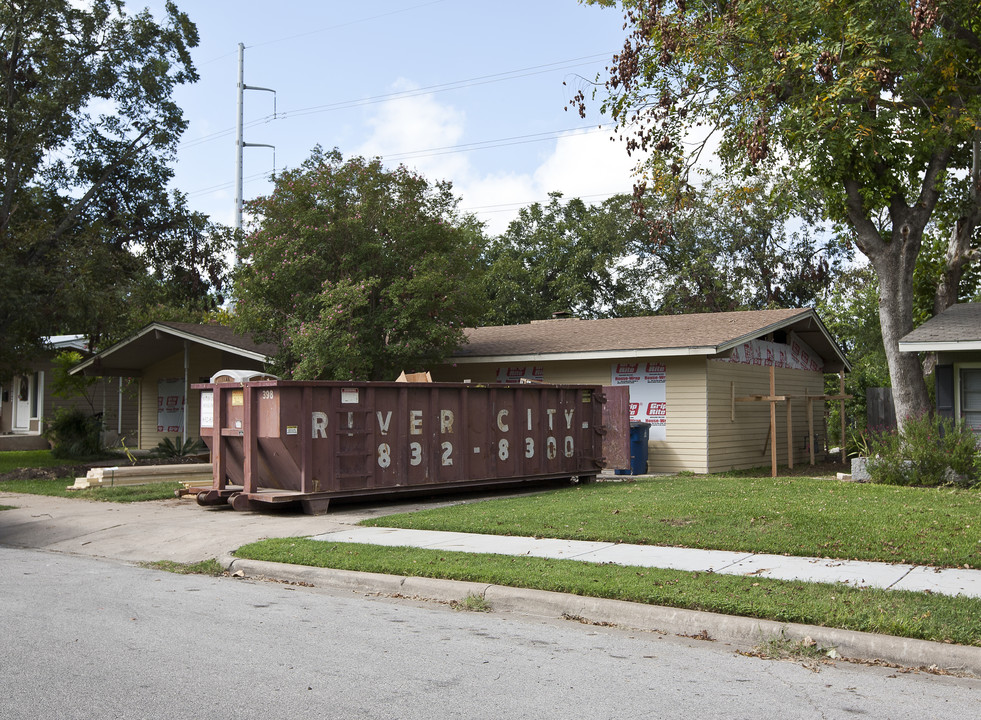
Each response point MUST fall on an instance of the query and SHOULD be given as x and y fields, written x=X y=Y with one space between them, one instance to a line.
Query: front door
x=23 y=392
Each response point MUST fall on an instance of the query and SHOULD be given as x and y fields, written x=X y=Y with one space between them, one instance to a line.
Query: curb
x=743 y=631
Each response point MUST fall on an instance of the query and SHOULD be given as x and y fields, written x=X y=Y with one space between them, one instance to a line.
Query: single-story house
x=26 y=400
x=702 y=381
x=164 y=359
x=955 y=336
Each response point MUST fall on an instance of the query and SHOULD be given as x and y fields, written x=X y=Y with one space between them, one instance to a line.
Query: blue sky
x=412 y=81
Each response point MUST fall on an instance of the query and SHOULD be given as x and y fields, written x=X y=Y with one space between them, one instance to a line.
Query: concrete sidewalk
x=942 y=581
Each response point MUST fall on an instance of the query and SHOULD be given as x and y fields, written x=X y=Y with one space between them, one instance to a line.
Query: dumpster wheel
x=208 y=498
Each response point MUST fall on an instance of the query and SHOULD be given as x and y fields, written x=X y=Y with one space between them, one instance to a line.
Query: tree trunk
x=959 y=251
x=895 y=272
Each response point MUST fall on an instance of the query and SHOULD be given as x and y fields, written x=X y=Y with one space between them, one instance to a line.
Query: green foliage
x=872 y=105
x=66 y=385
x=88 y=126
x=929 y=451
x=175 y=448
x=567 y=257
x=358 y=272
x=74 y=433
x=737 y=244
x=850 y=310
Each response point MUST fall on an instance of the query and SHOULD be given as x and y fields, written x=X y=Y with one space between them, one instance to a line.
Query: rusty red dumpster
x=276 y=441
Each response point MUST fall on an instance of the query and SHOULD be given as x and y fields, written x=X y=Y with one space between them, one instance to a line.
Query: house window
x=971 y=397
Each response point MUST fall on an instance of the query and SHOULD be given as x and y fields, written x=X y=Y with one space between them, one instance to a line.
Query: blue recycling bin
x=639 y=434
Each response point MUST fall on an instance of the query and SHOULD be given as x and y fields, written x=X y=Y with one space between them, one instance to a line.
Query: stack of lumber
x=195 y=473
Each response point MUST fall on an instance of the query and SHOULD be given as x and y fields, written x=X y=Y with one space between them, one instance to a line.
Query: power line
x=403 y=94
x=325 y=29
x=447 y=150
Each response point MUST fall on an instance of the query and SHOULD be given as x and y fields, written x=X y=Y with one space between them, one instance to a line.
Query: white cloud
x=582 y=163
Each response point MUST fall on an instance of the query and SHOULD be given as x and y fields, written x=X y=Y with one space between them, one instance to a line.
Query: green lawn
x=16 y=459
x=905 y=614
x=785 y=515
x=124 y=493
x=792 y=515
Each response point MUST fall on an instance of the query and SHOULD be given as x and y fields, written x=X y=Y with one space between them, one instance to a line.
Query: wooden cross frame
x=773 y=399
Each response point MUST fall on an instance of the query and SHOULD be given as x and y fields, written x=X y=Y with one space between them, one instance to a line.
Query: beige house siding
x=686 y=445
x=743 y=443
x=204 y=362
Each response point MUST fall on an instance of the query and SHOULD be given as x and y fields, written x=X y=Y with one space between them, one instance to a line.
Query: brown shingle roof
x=657 y=332
x=223 y=336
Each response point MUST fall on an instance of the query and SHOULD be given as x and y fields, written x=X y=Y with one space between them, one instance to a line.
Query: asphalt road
x=89 y=638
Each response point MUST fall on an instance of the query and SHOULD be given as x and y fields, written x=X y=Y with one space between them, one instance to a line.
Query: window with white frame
x=971 y=397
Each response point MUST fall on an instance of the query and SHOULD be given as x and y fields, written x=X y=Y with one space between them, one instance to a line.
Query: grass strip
x=892 y=612
x=811 y=517
x=123 y=493
x=16 y=459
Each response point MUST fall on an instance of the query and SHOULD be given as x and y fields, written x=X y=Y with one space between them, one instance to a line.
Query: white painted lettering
x=529 y=418
x=415 y=422
x=446 y=421
x=500 y=420
x=551 y=416
x=319 y=424
x=384 y=422
x=568 y=418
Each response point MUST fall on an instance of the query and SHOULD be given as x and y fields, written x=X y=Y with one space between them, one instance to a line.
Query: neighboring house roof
x=656 y=335
x=956 y=328
x=161 y=339
x=67 y=342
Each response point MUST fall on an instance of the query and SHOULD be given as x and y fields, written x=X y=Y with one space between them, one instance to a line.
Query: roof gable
x=160 y=339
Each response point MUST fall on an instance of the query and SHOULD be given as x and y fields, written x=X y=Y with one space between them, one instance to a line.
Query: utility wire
x=400 y=95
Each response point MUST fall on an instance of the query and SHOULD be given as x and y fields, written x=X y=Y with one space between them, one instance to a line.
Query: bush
x=73 y=434
x=927 y=452
x=174 y=448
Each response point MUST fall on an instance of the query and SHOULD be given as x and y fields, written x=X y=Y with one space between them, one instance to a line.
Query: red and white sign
x=170 y=406
x=795 y=355
x=517 y=373
x=648 y=403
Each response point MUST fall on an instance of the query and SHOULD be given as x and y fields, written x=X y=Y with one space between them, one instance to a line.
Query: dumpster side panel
x=283 y=438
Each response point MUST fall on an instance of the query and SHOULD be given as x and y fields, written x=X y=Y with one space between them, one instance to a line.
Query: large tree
x=875 y=103
x=567 y=257
x=88 y=126
x=358 y=272
x=728 y=246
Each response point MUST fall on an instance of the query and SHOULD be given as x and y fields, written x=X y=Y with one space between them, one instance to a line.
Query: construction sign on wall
x=648 y=399
x=517 y=373
x=170 y=405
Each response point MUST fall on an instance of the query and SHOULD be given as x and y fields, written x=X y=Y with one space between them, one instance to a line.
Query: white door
x=23 y=390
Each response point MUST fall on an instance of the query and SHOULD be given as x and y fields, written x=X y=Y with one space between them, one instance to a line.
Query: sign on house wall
x=648 y=399
x=794 y=354
x=517 y=373
x=170 y=405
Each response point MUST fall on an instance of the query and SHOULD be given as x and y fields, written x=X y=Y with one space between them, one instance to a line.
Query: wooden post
x=810 y=426
x=790 y=435
x=773 y=425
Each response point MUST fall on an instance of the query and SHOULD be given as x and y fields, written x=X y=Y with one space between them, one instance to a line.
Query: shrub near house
x=929 y=451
